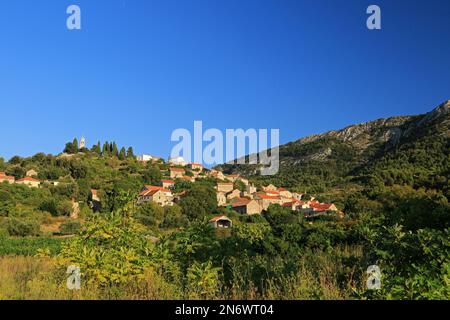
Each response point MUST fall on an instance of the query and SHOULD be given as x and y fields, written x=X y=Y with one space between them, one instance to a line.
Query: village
x=246 y=200
x=233 y=191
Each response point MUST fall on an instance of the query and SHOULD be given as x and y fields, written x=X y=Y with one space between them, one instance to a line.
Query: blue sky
x=139 y=69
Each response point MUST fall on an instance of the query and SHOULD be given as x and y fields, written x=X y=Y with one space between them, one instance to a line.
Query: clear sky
x=139 y=69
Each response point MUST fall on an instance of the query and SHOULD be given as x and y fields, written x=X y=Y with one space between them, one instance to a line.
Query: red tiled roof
x=167 y=181
x=148 y=193
x=152 y=188
x=177 y=169
x=320 y=206
x=94 y=192
x=7 y=178
x=240 y=203
x=295 y=200
x=196 y=164
x=4 y=176
x=219 y=217
x=267 y=197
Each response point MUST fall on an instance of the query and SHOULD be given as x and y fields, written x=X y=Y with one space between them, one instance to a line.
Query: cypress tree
x=105 y=150
x=75 y=145
x=122 y=154
x=115 y=150
x=130 y=153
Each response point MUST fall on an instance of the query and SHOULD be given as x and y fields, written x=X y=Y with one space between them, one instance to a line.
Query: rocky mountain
x=336 y=157
x=390 y=130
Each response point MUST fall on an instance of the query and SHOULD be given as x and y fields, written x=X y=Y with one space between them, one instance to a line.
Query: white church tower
x=82 y=143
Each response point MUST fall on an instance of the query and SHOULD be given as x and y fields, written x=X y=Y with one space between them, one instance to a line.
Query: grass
x=29 y=246
x=319 y=276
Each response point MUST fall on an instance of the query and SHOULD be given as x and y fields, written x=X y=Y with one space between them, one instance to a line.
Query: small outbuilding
x=221 y=221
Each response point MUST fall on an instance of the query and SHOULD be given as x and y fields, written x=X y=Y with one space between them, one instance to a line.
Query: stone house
x=246 y=206
x=176 y=173
x=231 y=177
x=167 y=184
x=221 y=199
x=28 y=181
x=177 y=161
x=234 y=194
x=196 y=166
x=250 y=189
x=158 y=195
x=270 y=187
x=284 y=193
x=225 y=187
x=265 y=200
x=217 y=174
x=31 y=173
x=5 y=178
x=188 y=178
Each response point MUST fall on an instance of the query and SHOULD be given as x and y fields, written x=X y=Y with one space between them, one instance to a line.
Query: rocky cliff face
x=359 y=144
x=390 y=130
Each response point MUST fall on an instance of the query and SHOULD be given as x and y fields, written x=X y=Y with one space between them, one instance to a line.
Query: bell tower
x=82 y=143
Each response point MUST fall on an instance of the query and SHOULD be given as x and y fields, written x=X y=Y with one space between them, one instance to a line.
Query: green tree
x=105 y=149
x=150 y=214
x=174 y=218
x=96 y=148
x=200 y=201
x=75 y=145
x=15 y=160
x=122 y=154
x=130 y=153
x=152 y=176
x=114 y=149
x=111 y=249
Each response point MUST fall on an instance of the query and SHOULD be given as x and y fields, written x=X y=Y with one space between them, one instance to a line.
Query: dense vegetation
x=397 y=216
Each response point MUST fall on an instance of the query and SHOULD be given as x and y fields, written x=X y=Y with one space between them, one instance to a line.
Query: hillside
x=105 y=211
x=416 y=145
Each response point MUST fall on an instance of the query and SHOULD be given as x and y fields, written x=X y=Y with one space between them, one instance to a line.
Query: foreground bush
x=22 y=227
x=70 y=227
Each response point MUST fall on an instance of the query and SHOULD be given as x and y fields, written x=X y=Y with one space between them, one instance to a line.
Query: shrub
x=22 y=227
x=70 y=227
x=150 y=214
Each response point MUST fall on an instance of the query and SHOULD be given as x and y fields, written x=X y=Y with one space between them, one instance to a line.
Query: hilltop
x=409 y=150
